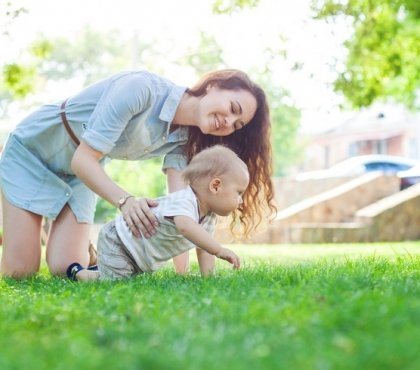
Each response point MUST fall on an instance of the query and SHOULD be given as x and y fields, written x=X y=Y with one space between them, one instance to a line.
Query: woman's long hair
x=251 y=143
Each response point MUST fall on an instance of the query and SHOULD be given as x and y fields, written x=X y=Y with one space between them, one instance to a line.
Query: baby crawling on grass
x=216 y=178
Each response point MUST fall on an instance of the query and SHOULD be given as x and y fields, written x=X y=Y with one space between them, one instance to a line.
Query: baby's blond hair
x=215 y=161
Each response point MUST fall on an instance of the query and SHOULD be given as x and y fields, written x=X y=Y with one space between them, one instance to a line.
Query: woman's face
x=221 y=112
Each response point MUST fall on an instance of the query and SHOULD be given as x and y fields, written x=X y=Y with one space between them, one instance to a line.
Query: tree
x=90 y=56
x=8 y=13
x=285 y=119
x=17 y=79
x=383 y=58
x=207 y=56
x=231 y=6
x=140 y=178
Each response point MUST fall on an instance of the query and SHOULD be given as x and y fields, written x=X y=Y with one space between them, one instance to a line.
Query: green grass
x=291 y=307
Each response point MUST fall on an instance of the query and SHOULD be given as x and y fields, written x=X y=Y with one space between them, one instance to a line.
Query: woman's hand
x=139 y=217
x=136 y=212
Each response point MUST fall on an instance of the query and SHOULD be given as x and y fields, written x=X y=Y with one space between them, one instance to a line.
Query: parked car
x=409 y=177
x=359 y=165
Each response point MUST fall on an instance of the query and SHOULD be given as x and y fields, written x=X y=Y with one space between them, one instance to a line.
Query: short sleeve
x=182 y=203
x=175 y=159
x=125 y=97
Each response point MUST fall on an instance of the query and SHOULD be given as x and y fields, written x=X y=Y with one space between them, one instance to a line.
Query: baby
x=216 y=178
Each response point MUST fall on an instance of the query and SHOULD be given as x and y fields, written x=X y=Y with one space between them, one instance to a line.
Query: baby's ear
x=214 y=185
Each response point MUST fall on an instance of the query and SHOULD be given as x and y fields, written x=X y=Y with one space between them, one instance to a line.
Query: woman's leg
x=68 y=242
x=21 y=255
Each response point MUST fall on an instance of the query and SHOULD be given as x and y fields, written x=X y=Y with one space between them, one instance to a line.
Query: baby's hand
x=231 y=257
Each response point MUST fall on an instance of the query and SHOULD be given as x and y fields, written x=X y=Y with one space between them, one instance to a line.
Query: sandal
x=72 y=271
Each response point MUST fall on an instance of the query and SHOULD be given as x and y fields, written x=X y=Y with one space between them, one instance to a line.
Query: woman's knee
x=18 y=274
x=68 y=242
x=59 y=257
x=18 y=268
x=57 y=269
x=58 y=262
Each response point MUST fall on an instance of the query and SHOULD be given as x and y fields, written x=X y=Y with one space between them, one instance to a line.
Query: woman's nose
x=229 y=121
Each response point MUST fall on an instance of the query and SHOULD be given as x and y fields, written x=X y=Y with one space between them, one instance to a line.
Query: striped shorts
x=114 y=260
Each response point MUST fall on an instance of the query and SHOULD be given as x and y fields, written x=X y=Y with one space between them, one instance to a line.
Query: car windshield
x=386 y=167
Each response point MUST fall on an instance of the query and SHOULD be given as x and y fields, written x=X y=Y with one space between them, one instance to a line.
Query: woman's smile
x=224 y=111
x=217 y=122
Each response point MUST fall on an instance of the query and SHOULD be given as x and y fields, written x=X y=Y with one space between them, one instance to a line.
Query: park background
x=315 y=306
x=306 y=54
x=330 y=69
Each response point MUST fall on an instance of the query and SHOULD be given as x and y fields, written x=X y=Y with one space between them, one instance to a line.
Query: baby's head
x=219 y=177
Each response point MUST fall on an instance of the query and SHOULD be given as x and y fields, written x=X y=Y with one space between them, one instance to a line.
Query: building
x=380 y=129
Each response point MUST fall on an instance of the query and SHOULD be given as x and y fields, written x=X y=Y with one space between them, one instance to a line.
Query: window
x=386 y=167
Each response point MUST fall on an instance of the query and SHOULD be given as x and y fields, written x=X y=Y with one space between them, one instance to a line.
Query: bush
x=140 y=178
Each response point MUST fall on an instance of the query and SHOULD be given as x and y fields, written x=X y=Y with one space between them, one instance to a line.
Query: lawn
x=290 y=307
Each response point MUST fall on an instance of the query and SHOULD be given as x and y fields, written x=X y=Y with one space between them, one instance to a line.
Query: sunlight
x=244 y=37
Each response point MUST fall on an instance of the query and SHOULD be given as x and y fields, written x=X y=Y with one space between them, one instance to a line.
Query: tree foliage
x=91 y=55
x=285 y=120
x=231 y=6
x=206 y=57
x=16 y=79
x=384 y=51
x=19 y=79
x=9 y=11
x=140 y=178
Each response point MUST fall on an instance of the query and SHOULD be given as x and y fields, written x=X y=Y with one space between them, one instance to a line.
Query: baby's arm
x=196 y=234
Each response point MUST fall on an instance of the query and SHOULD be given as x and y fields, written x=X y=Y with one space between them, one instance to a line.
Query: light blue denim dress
x=126 y=116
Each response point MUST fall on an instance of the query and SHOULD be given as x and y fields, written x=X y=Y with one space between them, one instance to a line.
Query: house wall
x=323 y=152
x=379 y=129
x=396 y=146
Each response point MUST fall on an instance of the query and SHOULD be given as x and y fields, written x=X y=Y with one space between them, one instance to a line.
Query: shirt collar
x=171 y=103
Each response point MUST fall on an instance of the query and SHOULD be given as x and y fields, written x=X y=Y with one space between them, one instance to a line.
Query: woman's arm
x=136 y=212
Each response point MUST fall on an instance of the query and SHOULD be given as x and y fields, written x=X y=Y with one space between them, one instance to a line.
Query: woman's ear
x=214 y=185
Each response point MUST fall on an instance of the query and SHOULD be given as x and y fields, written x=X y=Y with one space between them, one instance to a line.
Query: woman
x=46 y=172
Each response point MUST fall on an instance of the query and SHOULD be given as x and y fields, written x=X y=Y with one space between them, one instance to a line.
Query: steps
x=366 y=209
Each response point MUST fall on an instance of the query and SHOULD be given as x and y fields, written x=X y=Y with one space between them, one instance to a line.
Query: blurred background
x=342 y=76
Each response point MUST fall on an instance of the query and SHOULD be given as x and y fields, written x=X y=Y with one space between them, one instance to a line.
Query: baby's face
x=229 y=198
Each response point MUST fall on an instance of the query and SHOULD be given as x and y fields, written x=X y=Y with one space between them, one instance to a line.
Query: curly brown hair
x=251 y=143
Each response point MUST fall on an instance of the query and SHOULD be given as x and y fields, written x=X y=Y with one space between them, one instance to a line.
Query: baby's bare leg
x=87 y=275
x=77 y=272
